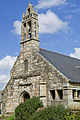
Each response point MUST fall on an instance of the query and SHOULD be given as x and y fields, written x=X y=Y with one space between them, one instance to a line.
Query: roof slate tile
x=65 y=64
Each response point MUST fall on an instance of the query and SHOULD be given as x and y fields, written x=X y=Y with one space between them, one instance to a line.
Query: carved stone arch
x=24 y=96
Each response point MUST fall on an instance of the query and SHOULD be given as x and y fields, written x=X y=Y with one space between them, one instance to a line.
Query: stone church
x=53 y=77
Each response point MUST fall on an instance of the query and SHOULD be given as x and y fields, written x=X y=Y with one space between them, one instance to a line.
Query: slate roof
x=70 y=67
x=0 y=96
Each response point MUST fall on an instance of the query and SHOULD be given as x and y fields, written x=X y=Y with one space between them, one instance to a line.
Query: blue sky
x=60 y=32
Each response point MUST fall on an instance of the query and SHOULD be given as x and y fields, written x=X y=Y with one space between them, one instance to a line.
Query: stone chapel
x=53 y=77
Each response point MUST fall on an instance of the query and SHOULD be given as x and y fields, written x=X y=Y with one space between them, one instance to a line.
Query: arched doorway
x=24 y=96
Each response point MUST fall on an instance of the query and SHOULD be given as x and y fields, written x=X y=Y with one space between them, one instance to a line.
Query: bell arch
x=24 y=96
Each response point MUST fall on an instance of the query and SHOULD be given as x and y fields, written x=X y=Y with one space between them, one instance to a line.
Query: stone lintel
x=28 y=84
x=76 y=99
x=71 y=88
x=42 y=83
x=28 y=19
x=29 y=40
x=26 y=76
x=57 y=88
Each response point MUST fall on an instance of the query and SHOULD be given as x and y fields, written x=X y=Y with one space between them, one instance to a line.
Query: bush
x=70 y=116
x=25 y=110
x=10 y=118
x=78 y=116
x=50 y=113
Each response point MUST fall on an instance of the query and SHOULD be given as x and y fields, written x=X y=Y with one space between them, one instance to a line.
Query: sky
x=59 y=26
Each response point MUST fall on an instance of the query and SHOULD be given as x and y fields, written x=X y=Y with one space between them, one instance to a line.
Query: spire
x=23 y=14
x=36 y=10
x=32 y=9
x=30 y=3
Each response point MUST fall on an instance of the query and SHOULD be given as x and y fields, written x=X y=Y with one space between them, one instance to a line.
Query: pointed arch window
x=26 y=64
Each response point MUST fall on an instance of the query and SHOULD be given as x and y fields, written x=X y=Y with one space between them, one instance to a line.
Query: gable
x=66 y=65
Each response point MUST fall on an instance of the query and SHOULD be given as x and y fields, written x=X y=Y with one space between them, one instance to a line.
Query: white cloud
x=49 y=3
x=5 y=66
x=48 y=23
x=6 y=63
x=3 y=80
x=76 y=53
x=17 y=27
x=51 y=23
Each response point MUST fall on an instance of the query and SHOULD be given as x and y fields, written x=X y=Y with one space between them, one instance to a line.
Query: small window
x=26 y=64
x=52 y=94
x=60 y=94
x=78 y=93
x=74 y=93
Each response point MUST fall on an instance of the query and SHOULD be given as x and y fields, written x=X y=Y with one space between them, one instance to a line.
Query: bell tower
x=30 y=28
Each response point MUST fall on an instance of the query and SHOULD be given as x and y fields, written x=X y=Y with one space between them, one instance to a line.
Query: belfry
x=30 y=28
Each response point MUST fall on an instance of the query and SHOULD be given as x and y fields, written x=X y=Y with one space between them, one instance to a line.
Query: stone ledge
x=76 y=99
x=26 y=76
x=29 y=84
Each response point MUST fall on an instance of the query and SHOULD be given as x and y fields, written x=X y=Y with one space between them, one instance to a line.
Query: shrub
x=78 y=116
x=70 y=116
x=50 y=113
x=25 y=110
x=10 y=118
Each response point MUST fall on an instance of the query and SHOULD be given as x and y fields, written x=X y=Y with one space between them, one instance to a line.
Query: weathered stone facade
x=33 y=75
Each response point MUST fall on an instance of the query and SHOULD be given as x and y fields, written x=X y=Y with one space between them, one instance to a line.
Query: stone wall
x=74 y=100
x=38 y=80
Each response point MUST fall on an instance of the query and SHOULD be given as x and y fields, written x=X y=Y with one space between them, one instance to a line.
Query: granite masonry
x=53 y=77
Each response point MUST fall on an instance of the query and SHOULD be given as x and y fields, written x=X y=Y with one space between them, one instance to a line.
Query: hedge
x=26 y=109
x=50 y=113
